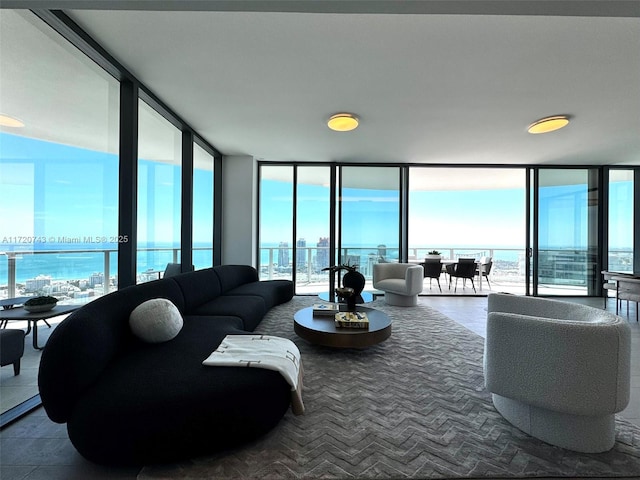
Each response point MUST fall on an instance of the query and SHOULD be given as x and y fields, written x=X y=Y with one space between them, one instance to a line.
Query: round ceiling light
x=548 y=124
x=7 y=121
x=343 y=122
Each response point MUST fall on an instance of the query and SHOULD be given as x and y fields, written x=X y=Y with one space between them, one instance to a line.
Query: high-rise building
x=322 y=257
x=283 y=254
x=96 y=279
x=36 y=284
x=301 y=253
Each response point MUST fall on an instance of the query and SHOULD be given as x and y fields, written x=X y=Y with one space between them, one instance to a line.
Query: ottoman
x=11 y=348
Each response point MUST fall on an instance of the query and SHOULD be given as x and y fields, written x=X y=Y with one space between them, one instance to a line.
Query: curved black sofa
x=129 y=402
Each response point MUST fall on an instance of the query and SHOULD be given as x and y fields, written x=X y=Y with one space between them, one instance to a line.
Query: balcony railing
x=83 y=273
x=558 y=268
x=86 y=273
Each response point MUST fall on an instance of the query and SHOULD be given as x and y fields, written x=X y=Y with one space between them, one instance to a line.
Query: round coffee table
x=321 y=329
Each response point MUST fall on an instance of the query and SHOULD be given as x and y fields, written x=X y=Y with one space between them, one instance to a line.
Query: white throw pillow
x=156 y=321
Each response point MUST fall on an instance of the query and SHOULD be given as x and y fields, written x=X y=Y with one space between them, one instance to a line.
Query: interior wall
x=239 y=200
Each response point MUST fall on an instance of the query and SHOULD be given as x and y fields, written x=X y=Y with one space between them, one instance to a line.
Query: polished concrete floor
x=35 y=448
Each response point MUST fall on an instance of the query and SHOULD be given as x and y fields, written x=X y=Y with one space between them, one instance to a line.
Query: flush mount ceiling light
x=548 y=124
x=343 y=122
x=7 y=121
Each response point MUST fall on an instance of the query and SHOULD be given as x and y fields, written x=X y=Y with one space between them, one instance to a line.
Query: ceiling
x=432 y=82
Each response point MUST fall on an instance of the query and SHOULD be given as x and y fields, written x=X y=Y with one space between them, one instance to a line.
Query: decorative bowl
x=39 y=308
x=40 y=304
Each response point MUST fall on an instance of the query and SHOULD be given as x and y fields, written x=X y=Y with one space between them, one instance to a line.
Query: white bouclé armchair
x=556 y=370
x=400 y=282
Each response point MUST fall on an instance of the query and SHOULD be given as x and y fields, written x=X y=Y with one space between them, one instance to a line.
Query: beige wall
x=239 y=215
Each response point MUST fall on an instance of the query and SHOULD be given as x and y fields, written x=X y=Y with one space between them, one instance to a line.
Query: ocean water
x=81 y=262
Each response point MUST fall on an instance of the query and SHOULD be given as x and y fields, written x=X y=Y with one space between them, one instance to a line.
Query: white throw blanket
x=263 y=351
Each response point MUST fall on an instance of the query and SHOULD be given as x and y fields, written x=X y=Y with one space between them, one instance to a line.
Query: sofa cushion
x=249 y=308
x=232 y=276
x=273 y=292
x=198 y=287
x=155 y=321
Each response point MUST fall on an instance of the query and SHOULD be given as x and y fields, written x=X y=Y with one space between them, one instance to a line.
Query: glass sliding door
x=159 y=193
x=567 y=232
x=369 y=213
x=202 y=208
x=620 y=255
x=276 y=222
x=471 y=212
x=312 y=228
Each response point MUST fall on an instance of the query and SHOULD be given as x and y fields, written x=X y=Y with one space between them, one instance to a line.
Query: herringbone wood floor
x=35 y=448
x=412 y=407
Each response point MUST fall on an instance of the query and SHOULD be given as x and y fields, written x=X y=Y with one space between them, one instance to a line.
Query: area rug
x=413 y=407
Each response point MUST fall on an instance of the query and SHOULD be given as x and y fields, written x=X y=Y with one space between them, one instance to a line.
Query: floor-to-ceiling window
x=567 y=231
x=312 y=228
x=620 y=228
x=202 y=207
x=58 y=165
x=471 y=212
x=276 y=222
x=60 y=146
x=369 y=217
x=159 y=190
x=58 y=177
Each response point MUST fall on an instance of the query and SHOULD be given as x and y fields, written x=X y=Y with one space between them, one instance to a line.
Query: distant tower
x=322 y=258
x=283 y=254
x=37 y=283
x=301 y=253
x=96 y=279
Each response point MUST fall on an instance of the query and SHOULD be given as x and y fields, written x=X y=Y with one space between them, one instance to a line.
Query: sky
x=52 y=191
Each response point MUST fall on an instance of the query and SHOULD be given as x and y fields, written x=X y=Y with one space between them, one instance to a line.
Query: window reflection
x=202 y=208
x=159 y=191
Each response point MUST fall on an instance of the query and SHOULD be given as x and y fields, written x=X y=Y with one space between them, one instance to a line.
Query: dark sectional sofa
x=129 y=402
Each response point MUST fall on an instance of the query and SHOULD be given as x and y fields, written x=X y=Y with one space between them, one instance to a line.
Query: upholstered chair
x=400 y=282
x=11 y=348
x=556 y=370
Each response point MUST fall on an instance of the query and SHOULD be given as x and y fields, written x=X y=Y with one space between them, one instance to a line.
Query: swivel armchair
x=400 y=282
x=556 y=370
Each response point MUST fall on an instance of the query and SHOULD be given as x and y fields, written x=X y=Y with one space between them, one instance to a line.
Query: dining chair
x=465 y=268
x=432 y=269
x=484 y=268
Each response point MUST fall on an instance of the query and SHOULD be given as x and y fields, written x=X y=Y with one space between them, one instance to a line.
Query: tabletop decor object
x=347 y=295
x=351 y=279
x=352 y=320
x=325 y=309
x=40 y=304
